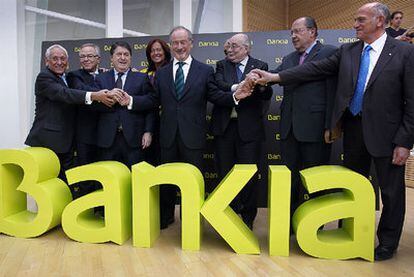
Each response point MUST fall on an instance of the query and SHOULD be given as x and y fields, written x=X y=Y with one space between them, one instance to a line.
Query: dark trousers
x=178 y=152
x=230 y=149
x=120 y=151
x=390 y=180
x=66 y=161
x=86 y=154
x=298 y=155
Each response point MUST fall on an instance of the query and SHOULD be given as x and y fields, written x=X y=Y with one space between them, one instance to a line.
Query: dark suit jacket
x=134 y=122
x=307 y=107
x=54 y=122
x=187 y=115
x=249 y=111
x=388 y=105
x=87 y=118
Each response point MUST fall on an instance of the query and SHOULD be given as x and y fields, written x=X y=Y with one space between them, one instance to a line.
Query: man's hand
x=244 y=89
x=400 y=155
x=125 y=99
x=264 y=77
x=103 y=96
x=146 y=140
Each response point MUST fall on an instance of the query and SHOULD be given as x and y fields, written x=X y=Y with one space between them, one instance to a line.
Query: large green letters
x=33 y=171
x=146 y=222
x=78 y=220
x=355 y=205
x=227 y=223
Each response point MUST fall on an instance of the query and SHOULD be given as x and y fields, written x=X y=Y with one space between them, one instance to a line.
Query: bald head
x=239 y=47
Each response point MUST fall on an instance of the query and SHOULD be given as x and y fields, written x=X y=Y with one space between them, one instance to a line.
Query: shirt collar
x=244 y=61
x=310 y=47
x=116 y=72
x=186 y=61
x=379 y=43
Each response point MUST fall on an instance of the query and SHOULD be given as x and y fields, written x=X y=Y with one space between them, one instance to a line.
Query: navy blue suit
x=124 y=144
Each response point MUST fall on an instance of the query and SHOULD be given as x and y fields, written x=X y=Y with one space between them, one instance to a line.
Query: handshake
x=111 y=97
x=253 y=78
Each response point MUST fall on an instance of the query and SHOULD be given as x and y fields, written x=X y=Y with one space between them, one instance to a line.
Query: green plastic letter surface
x=30 y=171
x=146 y=215
x=355 y=205
x=78 y=220
x=279 y=210
x=221 y=216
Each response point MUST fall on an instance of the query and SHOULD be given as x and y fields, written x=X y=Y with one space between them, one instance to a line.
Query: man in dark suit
x=124 y=130
x=238 y=131
x=55 y=112
x=306 y=108
x=87 y=118
x=374 y=106
x=183 y=88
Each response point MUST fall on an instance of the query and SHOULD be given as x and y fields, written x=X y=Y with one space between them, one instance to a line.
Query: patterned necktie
x=118 y=83
x=179 y=80
x=239 y=72
x=302 y=57
x=356 y=103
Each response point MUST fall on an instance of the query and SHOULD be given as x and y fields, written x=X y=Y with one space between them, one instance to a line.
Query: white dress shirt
x=374 y=54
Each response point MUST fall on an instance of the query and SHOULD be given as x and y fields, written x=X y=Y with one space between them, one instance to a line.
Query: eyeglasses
x=90 y=56
x=298 y=31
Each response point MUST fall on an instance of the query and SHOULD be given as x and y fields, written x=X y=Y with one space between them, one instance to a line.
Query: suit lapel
x=110 y=78
x=355 y=60
x=231 y=69
x=170 y=78
x=314 y=52
x=192 y=74
x=386 y=55
x=249 y=67
x=127 y=81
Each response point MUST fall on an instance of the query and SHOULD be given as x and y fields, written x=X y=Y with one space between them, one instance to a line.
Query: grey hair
x=48 y=50
x=382 y=10
x=246 y=41
x=190 y=35
x=97 y=50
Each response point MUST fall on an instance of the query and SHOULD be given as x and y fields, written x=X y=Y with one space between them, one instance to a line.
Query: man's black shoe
x=164 y=223
x=249 y=223
x=383 y=253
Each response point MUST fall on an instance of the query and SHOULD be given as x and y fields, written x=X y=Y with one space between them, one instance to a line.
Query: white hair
x=48 y=50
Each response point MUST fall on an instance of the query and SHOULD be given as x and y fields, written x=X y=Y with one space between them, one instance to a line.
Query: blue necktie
x=356 y=103
x=179 y=80
x=239 y=72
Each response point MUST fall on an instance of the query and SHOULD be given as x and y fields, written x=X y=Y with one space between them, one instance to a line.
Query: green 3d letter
x=221 y=216
x=279 y=210
x=33 y=171
x=355 y=205
x=146 y=215
x=78 y=220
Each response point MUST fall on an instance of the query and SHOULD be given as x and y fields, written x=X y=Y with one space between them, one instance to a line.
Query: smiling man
x=55 y=111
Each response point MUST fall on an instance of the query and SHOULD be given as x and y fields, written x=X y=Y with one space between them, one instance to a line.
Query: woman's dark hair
x=167 y=53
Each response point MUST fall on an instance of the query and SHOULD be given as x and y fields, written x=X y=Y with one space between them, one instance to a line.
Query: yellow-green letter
x=279 y=210
x=78 y=220
x=146 y=216
x=227 y=223
x=33 y=171
x=355 y=205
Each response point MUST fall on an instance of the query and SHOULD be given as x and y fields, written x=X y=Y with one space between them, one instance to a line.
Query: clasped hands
x=111 y=97
x=253 y=78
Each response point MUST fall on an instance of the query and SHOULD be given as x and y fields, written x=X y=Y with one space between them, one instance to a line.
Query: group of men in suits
x=364 y=89
x=373 y=107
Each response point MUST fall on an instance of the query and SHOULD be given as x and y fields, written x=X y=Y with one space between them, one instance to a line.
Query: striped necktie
x=179 y=80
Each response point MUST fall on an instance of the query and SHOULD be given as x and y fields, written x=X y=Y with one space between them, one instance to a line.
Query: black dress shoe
x=383 y=253
x=164 y=223
x=249 y=223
